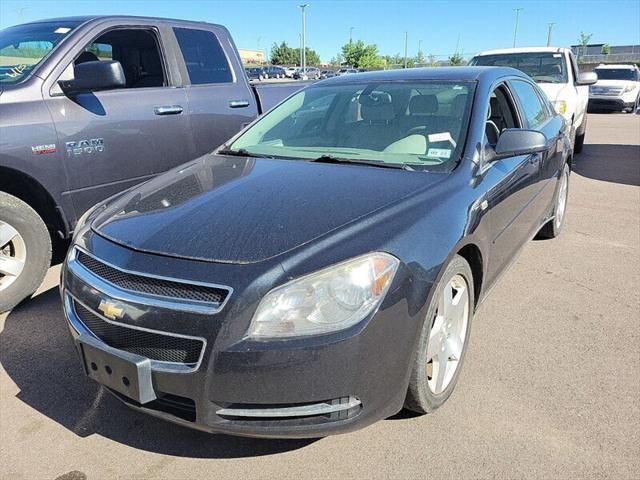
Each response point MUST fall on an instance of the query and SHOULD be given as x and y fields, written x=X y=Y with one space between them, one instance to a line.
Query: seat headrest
x=552 y=70
x=376 y=106
x=85 y=57
x=423 y=105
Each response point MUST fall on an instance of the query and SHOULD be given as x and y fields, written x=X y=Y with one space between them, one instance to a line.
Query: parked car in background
x=274 y=71
x=91 y=106
x=617 y=88
x=312 y=73
x=290 y=71
x=327 y=74
x=346 y=71
x=256 y=73
x=253 y=291
x=557 y=73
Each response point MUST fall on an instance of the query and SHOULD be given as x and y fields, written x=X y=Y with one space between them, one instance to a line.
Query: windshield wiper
x=241 y=152
x=328 y=158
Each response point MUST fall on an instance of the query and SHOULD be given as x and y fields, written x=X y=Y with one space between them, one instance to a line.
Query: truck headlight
x=560 y=106
x=331 y=299
x=629 y=88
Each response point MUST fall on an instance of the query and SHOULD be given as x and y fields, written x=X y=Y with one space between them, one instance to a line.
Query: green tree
x=358 y=55
x=420 y=58
x=606 y=49
x=312 y=57
x=283 y=54
x=584 y=40
x=456 y=59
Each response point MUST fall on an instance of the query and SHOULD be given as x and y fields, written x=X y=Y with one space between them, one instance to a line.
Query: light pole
x=551 y=24
x=304 y=47
x=350 y=34
x=406 y=40
x=515 y=30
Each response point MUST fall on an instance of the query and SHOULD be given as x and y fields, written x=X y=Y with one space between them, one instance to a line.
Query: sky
x=439 y=27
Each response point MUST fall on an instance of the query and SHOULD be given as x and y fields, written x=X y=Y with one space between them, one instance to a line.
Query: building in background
x=592 y=55
x=252 y=57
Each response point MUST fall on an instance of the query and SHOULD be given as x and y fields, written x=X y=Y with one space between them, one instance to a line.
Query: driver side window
x=501 y=114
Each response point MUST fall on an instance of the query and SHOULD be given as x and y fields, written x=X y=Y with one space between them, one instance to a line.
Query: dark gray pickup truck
x=90 y=106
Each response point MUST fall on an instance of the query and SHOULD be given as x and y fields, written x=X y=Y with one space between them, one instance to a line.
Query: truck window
x=206 y=61
x=545 y=67
x=137 y=51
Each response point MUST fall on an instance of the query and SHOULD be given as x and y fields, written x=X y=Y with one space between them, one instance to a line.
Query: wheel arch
x=473 y=255
x=31 y=191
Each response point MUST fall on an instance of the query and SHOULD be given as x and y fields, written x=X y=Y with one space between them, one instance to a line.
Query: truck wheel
x=582 y=131
x=443 y=339
x=25 y=251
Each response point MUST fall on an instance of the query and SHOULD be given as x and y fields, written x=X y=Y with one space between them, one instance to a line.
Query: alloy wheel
x=447 y=335
x=13 y=255
x=561 y=204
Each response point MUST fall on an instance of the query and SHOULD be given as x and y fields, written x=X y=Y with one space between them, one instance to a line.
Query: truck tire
x=582 y=131
x=25 y=251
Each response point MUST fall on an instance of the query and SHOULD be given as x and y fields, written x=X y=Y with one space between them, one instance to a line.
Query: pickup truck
x=91 y=106
x=556 y=72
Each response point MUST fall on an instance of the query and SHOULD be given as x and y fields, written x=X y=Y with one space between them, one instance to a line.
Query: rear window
x=204 y=56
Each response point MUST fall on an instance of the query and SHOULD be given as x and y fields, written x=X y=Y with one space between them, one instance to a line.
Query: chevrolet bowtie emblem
x=110 y=309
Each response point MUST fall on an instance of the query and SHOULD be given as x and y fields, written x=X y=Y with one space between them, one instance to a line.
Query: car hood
x=555 y=91
x=614 y=83
x=243 y=210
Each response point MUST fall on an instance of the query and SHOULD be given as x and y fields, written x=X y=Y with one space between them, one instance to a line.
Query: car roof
x=124 y=18
x=524 y=50
x=461 y=74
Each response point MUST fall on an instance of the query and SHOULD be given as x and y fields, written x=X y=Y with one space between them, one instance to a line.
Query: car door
x=220 y=102
x=114 y=139
x=512 y=183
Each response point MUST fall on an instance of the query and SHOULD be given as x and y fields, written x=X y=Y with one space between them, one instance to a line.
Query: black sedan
x=320 y=271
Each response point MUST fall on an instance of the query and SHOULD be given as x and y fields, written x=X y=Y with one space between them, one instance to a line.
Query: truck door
x=221 y=101
x=117 y=138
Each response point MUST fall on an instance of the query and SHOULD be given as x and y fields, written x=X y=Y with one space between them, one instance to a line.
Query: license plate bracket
x=124 y=372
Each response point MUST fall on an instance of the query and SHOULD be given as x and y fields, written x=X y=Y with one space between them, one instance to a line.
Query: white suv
x=555 y=70
x=617 y=88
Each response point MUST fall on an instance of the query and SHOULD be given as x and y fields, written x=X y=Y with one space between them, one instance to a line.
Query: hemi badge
x=41 y=149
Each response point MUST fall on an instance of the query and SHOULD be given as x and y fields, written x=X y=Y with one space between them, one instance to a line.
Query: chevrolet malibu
x=319 y=271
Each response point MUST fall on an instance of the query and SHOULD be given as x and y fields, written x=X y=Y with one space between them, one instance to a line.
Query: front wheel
x=443 y=339
x=580 y=134
x=25 y=251
x=554 y=226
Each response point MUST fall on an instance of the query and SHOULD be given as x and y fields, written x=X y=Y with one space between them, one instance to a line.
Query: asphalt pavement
x=550 y=388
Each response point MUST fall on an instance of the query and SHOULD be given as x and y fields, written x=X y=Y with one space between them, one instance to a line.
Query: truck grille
x=152 y=286
x=155 y=346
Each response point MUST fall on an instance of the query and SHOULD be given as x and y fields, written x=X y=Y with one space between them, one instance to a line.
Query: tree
x=312 y=57
x=456 y=59
x=420 y=57
x=359 y=55
x=432 y=60
x=283 y=54
x=584 y=40
x=606 y=49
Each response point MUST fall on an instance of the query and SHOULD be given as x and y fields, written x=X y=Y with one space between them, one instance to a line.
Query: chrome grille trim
x=156 y=365
x=126 y=295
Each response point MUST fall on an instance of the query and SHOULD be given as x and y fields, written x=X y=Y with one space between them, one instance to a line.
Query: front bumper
x=609 y=103
x=295 y=388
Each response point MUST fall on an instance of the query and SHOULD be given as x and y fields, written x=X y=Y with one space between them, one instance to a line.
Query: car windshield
x=420 y=124
x=616 y=74
x=24 y=46
x=543 y=67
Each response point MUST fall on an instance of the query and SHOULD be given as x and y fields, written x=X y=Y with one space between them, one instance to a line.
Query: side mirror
x=93 y=76
x=587 y=78
x=514 y=141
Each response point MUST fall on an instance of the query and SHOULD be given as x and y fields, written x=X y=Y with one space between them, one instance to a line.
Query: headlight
x=629 y=88
x=560 y=106
x=331 y=299
x=82 y=221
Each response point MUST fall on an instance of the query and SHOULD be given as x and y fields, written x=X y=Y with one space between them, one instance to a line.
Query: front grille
x=150 y=285
x=156 y=346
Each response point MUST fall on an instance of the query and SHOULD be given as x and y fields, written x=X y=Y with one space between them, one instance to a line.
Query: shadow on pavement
x=37 y=353
x=609 y=163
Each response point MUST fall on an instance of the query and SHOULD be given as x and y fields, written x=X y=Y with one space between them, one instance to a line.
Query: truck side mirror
x=587 y=78
x=93 y=76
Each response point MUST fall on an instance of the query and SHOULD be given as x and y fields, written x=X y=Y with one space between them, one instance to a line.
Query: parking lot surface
x=550 y=388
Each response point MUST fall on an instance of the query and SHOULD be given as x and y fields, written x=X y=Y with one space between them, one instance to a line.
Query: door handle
x=168 y=110
x=238 y=103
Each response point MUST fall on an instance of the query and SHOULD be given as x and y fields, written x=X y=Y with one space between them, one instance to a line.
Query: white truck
x=555 y=70
x=617 y=88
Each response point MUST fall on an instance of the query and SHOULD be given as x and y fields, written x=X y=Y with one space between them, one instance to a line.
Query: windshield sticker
x=62 y=30
x=16 y=71
x=439 y=152
x=442 y=137
x=557 y=55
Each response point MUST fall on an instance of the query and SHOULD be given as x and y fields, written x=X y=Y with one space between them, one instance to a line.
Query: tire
x=425 y=393
x=580 y=134
x=553 y=227
x=25 y=240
